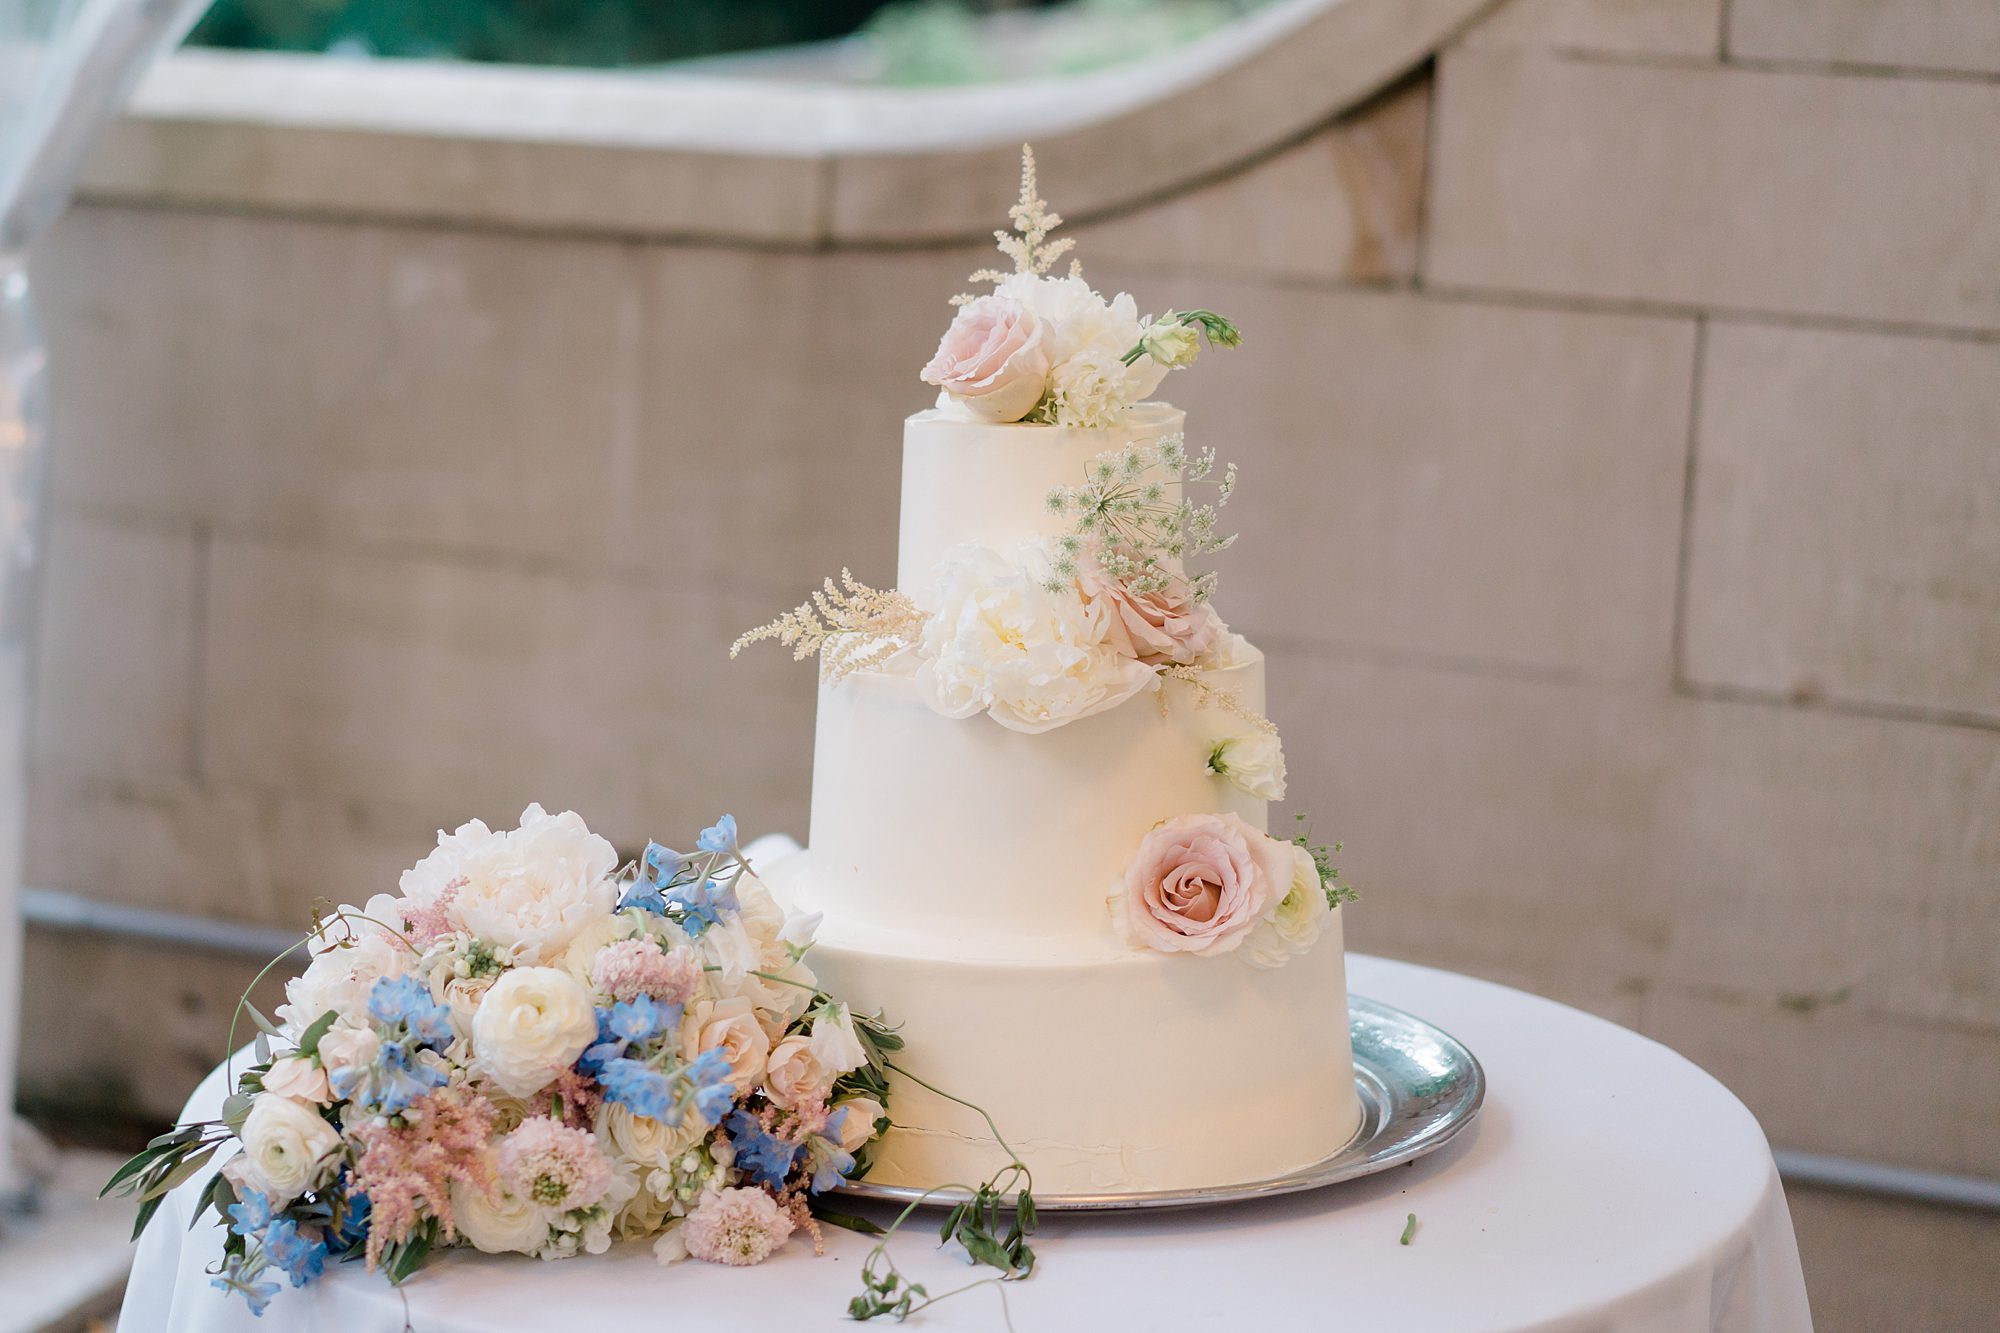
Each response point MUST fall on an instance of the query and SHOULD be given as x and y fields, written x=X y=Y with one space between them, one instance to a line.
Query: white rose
x=859 y=1124
x=497 y=1222
x=1002 y=642
x=533 y=889
x=340 y=977
x=344 y=1048
x=1254 y=763
x=296 y=1076
x=287 y=1148
x=834 y=1042
x=731 y=1025
x=1294 y=925
x=531 y=1026
x=795 y=1074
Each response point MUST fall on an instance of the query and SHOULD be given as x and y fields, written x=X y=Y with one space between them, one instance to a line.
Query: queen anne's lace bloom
x=736 y=1226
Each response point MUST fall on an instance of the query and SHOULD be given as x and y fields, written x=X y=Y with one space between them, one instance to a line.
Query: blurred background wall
x=1620 y=419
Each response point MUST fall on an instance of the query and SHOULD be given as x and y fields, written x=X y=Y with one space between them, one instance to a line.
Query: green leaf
x=184 y=1172
x=846 y=1221
x=146 y=1211
x=951 y=1221
x=137 y=1163
x=309 y=1040
x=264 y=1024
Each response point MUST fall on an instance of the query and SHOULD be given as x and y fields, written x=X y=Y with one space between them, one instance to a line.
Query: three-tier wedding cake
x=1041 y=778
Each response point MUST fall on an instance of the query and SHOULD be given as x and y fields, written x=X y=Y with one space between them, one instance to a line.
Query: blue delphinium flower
x=250 y=1214
x=285 y=1248
x=390 y=1082
x=353 y=1228
x=714 y=1101
x=719 y=836
x=703 y=904
x=766 y=1158
x=640 y=1090
x=642 y=1018
x=663 y=863
x=710 y=1067
x=406 y=1000
x=830 y=1165
x=241 y=1277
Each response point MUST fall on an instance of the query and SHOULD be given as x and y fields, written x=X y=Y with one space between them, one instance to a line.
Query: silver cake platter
x=1419 y=1087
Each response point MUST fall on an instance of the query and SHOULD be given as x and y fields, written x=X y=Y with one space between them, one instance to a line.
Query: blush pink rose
x=1164 y=626
x=993 y=360
x=1200 y=884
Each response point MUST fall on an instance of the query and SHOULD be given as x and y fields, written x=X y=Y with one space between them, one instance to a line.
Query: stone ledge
x=684 y=156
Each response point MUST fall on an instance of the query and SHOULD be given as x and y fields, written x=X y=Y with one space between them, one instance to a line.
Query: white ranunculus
x=287 y=1148
x=1253 y=762
x=531 y=1026
x=534 y=888
x=834 y=1041
x=1001 y=642
x=340 y=977
x=497 y=1222
x=859 y=1125
x=1294 y=925
x=641 y=1140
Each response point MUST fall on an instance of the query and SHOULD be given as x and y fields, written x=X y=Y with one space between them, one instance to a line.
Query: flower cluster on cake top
x=1050 y=350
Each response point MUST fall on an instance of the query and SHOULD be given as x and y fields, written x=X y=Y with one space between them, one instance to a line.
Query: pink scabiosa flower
x=736 y=1226
x=631 y=968
x=558 y=1167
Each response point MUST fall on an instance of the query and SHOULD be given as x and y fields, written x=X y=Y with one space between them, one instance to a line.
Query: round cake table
x=1608 y=1185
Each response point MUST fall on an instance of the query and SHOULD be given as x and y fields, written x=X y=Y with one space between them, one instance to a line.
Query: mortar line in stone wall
x=1515 y=297
x=1717 y=692
x=1684 y=556
x=1582 y=55
x=1458 y=664
x=200 y=599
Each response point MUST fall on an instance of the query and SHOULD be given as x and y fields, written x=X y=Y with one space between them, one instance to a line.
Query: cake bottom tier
x=1123 y=1072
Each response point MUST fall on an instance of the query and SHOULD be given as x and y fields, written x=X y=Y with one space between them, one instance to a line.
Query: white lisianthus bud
x=531 y=1026
x=296 y=1076
x=1170 y=343
x=1254 y=763
x=287 y=1149
x=834 y=1043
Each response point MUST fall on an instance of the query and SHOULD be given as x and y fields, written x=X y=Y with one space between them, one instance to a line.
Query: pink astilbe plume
x=427 y=924
x=631 y=968
x=407 y=1170
x=577 y=1096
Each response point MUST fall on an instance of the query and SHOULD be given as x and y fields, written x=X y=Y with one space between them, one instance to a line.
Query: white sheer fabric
x=65 y=68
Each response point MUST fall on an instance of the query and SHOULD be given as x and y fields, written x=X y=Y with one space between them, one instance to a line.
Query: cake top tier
x=1047 y=350
x=977 y=481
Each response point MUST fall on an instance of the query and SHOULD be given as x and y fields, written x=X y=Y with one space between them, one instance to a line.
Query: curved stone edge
x=607 y=154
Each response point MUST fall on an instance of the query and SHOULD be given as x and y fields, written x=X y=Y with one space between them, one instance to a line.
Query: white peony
x=1294 y=925
x=1254 y=763
x=1004 y=644
x=497 y=1222
x=531 y=1026
x=287 y=1149
x=340 y=977
x=533 y=889
x=1086 y=337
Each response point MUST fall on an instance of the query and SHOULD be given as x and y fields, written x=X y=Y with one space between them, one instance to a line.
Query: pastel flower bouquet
x=533 y=1049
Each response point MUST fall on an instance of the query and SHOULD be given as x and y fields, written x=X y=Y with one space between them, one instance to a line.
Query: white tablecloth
x=1609 y=1185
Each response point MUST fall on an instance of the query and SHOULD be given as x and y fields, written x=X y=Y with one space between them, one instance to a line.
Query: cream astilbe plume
x=1207 y=694
x=850 y=628
x=1031 y=250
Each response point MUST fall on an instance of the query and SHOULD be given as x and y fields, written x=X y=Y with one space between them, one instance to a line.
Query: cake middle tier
x=927 y=827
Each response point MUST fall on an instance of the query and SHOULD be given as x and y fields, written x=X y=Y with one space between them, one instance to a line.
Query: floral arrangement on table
x=531 y=1049
x=1050 y=350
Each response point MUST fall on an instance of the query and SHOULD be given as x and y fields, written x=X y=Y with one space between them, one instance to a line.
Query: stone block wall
x=1620 y=419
